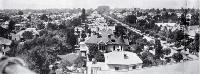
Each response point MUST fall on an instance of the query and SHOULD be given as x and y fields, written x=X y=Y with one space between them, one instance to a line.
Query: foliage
x=166 y=51
x=147 y=58
x=52 y=26
x=83 y=15
x=20 y=13
x=28 y=35
x=196 y=42
x=131 y=19
x=42 y=51
x=96 y=54
x=75 y=22
x=120 y=31
x=40 y=26
x=4 y=17
x=44 y=17
x=177 y=57
x=158 y=49
x=11 y=25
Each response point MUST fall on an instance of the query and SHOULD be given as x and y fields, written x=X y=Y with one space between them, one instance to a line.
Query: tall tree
x=83 y=15
x=158 y=49
x=196 y=42
x=11 y=25
x=131 y=19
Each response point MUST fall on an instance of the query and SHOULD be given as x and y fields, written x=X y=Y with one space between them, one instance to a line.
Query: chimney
x=125 y=56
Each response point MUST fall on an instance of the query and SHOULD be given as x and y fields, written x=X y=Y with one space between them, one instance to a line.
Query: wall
x=110 y=47
x=121 y=67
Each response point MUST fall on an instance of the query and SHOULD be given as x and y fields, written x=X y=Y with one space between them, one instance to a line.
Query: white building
x=122 y=60
x=116 y=61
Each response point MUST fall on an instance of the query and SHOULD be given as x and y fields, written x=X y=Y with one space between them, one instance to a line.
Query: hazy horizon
x=49 y=4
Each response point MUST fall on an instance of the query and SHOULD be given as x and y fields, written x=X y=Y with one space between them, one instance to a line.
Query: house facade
x=107 y=42
x=4 y=45
x=122 y=61
x=116 y=61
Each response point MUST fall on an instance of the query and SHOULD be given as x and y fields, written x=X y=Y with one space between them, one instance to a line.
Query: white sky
x=41 y=4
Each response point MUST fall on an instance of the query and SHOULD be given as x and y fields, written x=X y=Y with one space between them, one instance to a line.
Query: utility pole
x=199 y=22
x=198 y=11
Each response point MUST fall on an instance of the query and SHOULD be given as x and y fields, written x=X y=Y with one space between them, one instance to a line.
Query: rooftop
x=122 y=57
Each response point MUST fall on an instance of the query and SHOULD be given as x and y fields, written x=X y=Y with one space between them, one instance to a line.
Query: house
x=107 y=42
x=116 y=61
x=4 y=44
x=122 y=60
x=83 y=49
x=192 y=30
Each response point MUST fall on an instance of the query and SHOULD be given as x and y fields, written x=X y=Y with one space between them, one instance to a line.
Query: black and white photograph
x=99 y=36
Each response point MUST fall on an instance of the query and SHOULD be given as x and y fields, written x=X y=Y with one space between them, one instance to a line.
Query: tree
x=147 y=58
x=29 y=17
x=40 y=52
x=72 y=39
x=183 y=20
x=196 y=42
x=40 y=26
x=11 y=25
x=83 y=35
x=20 y=13
x=166 y=51
x=3 y=32
x=4 y=17
x=44 y=17
x=52 y=26
x=158 y=49
x=96 y=54
x=179 y=35
x=28 y=35
x=177 y=57
x=131 y=19
x=75 y=22
x=83 y=15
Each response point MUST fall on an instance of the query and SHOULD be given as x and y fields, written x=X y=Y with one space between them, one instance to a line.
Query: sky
x=43 y=4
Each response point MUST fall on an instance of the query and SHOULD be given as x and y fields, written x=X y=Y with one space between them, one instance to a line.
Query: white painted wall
x=110 y=47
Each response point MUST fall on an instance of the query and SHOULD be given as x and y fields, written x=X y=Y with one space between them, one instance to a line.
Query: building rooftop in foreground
x=122 y=58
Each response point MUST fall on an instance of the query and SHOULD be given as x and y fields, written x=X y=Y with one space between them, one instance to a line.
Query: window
x=114 y=47
x=133 y=67
x=102 y=47
x=116 y=68
x=113 y=40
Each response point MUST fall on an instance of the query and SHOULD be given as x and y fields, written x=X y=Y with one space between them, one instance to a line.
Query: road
x=146 y=36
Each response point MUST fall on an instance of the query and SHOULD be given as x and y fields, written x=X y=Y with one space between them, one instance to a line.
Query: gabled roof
x=118 y=40
x=94 y=39
x=105 y=39
x=122 y=58
x=5 y=41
